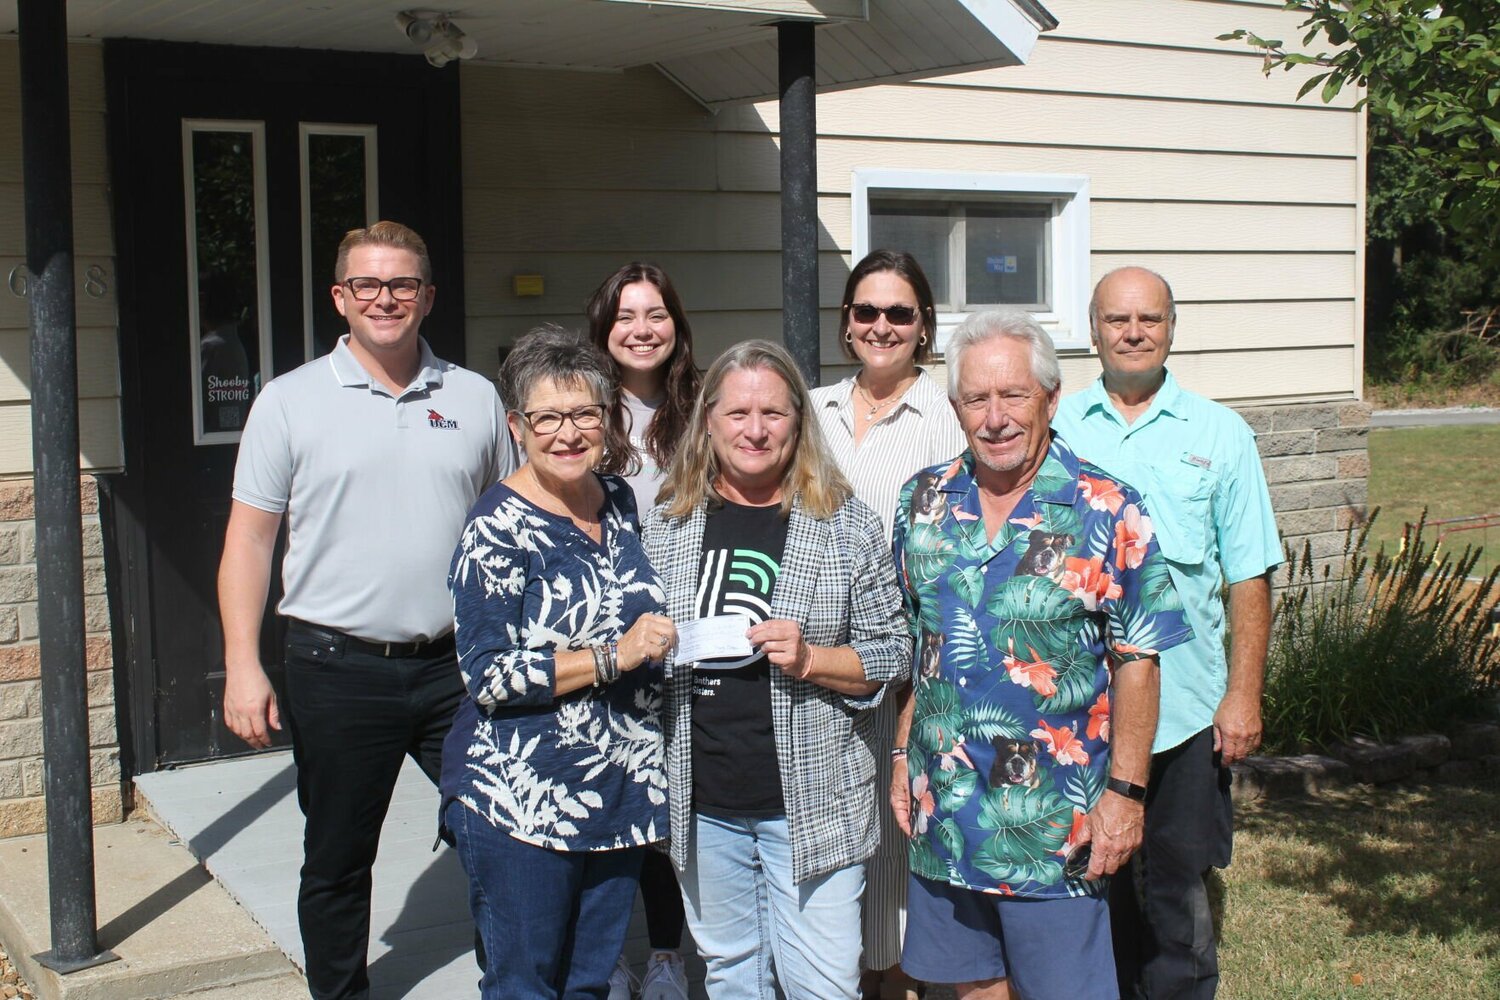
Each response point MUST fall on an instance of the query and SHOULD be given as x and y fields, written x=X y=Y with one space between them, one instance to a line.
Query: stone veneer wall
x=22 y=805
x=1318 y=466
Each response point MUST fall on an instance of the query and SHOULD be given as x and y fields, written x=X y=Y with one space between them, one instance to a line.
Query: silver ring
x=661 y=641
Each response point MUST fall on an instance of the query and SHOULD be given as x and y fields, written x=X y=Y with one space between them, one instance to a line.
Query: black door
x=235 y=174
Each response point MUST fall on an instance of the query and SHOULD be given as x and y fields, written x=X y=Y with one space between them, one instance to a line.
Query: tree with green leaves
x=1431 y=73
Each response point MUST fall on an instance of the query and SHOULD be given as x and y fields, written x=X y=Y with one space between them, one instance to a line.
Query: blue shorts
x=1046 y=947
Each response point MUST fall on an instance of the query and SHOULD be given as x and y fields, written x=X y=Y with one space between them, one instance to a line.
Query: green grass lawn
x=1452 y=471
x=1366 y=893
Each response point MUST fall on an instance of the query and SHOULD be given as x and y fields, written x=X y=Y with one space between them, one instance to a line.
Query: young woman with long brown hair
x=637 y=319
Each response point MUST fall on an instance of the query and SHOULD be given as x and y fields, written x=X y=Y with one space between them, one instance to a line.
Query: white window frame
x=1068 y=236
x=257 y=132
x=310 y=288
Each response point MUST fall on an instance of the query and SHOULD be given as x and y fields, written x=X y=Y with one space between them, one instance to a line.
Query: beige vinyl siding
x=1199 y=166
x=98 y=364
x=984 y=115
x=1187 y=24
x=1077 y=65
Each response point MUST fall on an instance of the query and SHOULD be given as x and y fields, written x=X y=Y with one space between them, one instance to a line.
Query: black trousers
x=1159 y=904
x=354 y=716
x=663 y=902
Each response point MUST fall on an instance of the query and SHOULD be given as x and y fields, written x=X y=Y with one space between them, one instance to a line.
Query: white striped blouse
x=919 y=431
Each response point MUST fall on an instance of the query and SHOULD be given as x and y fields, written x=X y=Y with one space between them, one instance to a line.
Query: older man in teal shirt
x=1196 y=464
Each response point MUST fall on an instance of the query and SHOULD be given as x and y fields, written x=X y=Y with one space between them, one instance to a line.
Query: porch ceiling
x=720 y=51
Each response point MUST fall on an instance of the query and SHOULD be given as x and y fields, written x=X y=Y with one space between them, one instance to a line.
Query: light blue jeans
x=755 y=928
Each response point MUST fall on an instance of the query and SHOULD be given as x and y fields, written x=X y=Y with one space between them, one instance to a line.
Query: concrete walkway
x=1435 y=418
x=240 y=819
x=173 y=931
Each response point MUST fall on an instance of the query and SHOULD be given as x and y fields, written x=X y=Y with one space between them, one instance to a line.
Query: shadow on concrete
x=244 y=813
x=153 y=907
x=433 y=929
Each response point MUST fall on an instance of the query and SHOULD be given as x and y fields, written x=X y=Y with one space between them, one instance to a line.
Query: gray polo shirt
x=376 y=489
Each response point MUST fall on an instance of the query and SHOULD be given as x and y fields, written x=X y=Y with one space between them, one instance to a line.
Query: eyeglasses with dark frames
x=368 y=289
x=898 y=315
x=585 y=418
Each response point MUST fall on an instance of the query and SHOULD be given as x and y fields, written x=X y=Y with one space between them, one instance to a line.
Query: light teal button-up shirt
x=1195 y=463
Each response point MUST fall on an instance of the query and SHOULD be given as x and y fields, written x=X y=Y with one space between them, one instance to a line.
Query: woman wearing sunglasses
x=553 y=780
x=883 y=424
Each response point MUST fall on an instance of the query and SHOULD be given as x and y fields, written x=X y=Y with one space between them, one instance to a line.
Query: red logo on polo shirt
x=436 y=419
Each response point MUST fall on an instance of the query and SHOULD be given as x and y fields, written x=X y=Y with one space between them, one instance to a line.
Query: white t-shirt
x=638 y=416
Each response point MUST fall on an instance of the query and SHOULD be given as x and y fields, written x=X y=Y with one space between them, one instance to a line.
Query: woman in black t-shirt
x=769 y=753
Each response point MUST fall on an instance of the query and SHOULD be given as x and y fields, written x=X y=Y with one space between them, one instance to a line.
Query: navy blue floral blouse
x=578 y=772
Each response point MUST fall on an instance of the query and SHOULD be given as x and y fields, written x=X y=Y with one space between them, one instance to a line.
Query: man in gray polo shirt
x=374 y=455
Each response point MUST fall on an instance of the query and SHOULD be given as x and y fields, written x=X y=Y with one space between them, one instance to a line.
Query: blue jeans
x=553 y=922
x=755 y=928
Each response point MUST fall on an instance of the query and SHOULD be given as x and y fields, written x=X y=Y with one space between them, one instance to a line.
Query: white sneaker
x=665 y=979
x=622 y=982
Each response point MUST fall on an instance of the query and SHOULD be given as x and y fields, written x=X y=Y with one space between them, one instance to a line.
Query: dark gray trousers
x=1159 y=903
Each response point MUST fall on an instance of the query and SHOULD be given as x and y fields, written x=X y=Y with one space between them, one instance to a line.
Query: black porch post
x=47 y=173
x=799 y=194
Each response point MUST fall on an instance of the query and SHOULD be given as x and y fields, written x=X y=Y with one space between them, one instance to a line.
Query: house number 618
x=95 y=285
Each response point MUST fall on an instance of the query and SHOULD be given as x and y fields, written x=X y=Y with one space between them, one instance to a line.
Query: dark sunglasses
x=864 y=312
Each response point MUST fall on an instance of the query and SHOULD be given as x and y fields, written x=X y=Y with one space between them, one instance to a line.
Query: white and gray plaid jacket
x=839 y=583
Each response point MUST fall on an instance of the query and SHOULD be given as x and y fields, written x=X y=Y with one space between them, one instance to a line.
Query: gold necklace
x=877 y=407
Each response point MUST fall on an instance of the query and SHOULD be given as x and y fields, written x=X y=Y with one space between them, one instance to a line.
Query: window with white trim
x=984 y=240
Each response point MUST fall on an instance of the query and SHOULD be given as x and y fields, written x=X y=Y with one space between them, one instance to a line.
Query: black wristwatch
x=1129 y=789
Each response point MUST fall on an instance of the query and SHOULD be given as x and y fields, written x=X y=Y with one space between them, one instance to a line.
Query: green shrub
x=1399 y=644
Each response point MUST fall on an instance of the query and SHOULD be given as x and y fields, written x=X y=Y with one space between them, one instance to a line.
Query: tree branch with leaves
x=1431 y=75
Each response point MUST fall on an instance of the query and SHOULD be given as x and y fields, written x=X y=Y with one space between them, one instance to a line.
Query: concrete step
x=288 y=987
x=174 y=930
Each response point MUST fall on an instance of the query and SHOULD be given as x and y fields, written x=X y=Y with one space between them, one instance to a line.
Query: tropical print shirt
x=582 y=771
x=1015 y=640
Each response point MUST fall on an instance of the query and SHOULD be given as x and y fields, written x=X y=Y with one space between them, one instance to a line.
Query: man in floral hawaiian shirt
x=1040 y=603
x=1196 y=463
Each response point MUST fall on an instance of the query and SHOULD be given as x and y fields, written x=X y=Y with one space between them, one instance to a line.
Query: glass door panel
x=339 y=193
x=224 y=163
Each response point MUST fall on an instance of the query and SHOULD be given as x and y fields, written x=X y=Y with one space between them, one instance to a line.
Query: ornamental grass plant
x=1397 y=644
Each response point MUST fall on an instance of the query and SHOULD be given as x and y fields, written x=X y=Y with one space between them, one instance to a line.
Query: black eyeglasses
x=368 y=289
x=585 y=418
x=864 y=312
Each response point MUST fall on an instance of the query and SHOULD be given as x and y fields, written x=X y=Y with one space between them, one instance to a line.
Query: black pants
x=663 y=899
x=354 y=717
x=1159 y=905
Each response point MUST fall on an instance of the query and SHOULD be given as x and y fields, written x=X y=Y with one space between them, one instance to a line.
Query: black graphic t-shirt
x=734 y=747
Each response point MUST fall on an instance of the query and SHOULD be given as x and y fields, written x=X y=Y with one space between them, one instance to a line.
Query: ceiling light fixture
x=440 y=40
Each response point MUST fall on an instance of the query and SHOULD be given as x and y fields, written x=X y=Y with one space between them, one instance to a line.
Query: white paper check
x=712 y=638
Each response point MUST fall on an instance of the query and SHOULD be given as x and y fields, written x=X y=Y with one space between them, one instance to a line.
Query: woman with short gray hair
x=553 y=781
